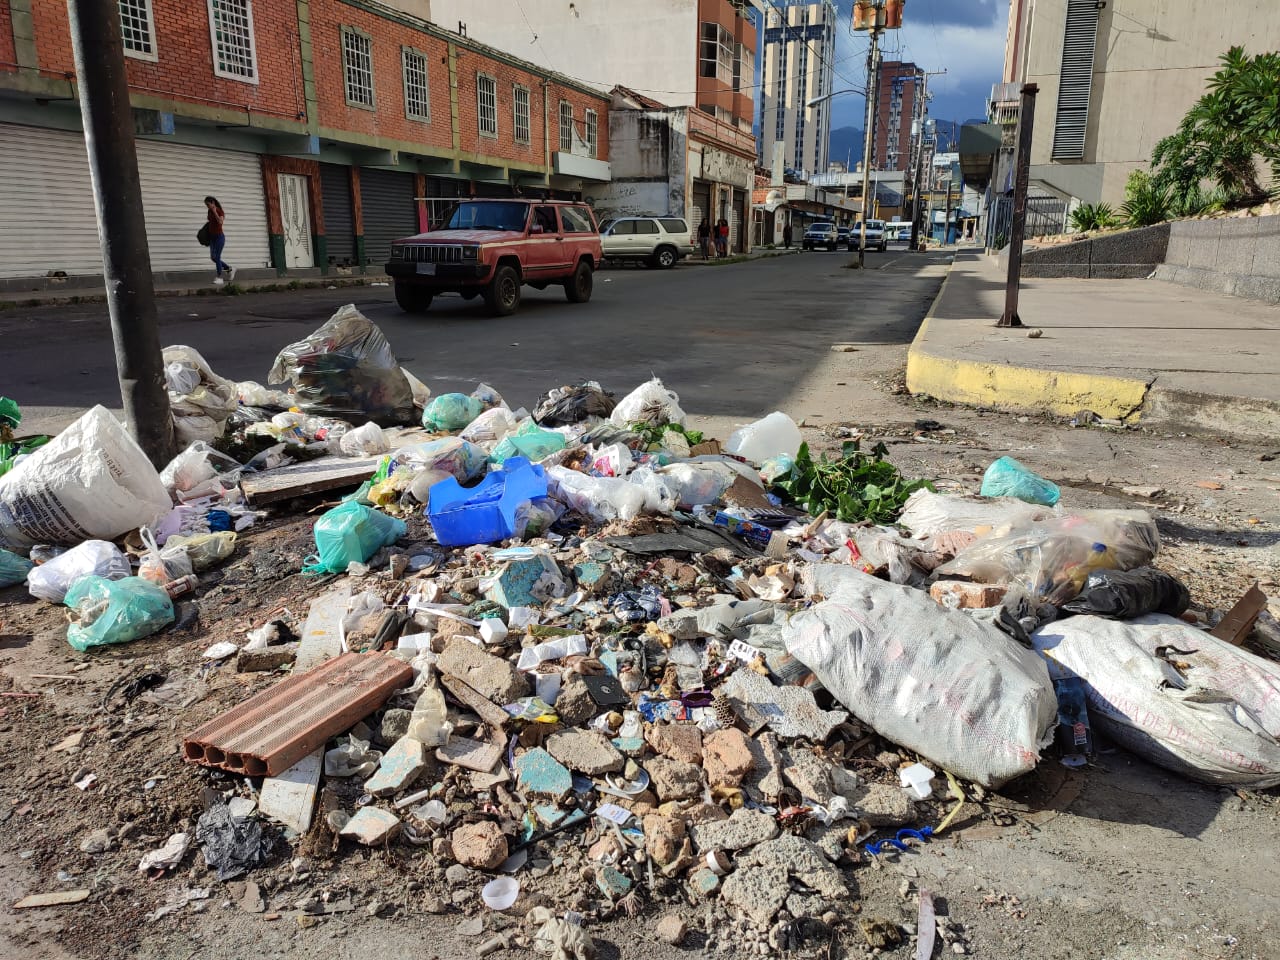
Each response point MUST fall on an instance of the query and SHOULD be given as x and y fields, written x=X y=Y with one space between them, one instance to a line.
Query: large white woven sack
x=1202 y=707
x=90 y=482
x=955 y=690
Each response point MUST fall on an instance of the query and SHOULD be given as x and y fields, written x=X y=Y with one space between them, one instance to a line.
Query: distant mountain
x=844 y=142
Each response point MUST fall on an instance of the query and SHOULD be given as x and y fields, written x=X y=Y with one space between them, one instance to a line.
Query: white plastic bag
x=366 y=441
x=1205 y=709
x=774 y=436
x=421 y=392
x=649 y=403
x=935 y=681
x=253 y=394
x=600 y=498
x=92 y=481
x=491 y=426
x=695 y=484
x=97 y=558
x=927 y=514
x=195 y=473
x=162 y=566
x=201 y=401
x=659 y=495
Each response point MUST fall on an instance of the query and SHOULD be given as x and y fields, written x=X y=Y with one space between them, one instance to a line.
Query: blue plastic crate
x=486 y=513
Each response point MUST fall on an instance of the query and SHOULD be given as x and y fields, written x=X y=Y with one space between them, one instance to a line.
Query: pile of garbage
x=585 y=658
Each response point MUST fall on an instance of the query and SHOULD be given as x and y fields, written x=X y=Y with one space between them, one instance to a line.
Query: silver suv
x=876 y=238
x=660 y=242
x=821 y=235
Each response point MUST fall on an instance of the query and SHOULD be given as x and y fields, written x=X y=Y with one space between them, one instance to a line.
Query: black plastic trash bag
x=1124 y=595
x=231 y=845
x=567 y=405
x=346 y=370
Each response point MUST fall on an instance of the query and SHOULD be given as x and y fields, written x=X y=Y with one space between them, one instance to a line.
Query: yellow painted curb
x=1018 y=389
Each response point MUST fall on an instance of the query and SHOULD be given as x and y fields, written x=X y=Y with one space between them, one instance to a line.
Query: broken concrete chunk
x=767 y=764
x=671 y=929
x=99 y=841
x=371 y=826
x=663 y=837
x=704 y=882
x=585 y=751
x=759 y=893
x=673 y=780
x=575 y=705
x=539 y=772
x=592 y=576
x=395 y=724
x=790 y=711
x=481 y=845
x=494 y=678
x=745 y=828
x=612 y=882
x=880 y=804
x=400 y=767
x=809 y=774
x=471 y=755
x=268 y=658
x=726 y=757
x=679 y=741
x=527 y=582
x=797 y=858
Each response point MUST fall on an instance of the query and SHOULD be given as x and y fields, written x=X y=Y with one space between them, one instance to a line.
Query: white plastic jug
x=775 y=435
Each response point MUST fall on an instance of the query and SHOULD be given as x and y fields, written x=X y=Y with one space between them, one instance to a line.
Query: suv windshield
x=489 y=215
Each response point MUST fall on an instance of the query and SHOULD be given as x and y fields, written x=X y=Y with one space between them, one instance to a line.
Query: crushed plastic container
x=774 y=436
x=485 y=513
x=918 y=779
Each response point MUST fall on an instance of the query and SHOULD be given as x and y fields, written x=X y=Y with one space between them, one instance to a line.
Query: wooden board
x=319 y=476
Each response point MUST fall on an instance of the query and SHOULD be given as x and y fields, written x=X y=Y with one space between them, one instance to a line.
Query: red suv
x=492 y=247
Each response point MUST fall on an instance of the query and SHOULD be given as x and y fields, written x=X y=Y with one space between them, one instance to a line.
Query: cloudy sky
x=963 y=37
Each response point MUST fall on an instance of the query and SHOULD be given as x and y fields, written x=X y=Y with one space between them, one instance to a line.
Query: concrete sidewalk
x=1134 y=350
x=255 y=281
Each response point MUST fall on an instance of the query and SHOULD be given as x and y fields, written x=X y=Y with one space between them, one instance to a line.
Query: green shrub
x=1093 y=216
x=1147 y=202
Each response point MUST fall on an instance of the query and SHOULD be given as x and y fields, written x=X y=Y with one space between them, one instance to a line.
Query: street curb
x=262 y=286
x=1017 y=389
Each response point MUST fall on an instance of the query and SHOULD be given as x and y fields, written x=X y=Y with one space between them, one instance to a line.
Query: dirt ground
x=1119 y=860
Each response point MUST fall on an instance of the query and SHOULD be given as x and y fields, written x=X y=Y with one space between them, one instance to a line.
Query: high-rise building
x=797 y=66
x=897 y=100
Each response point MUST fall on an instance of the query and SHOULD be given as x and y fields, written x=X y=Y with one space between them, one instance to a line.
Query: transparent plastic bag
x=93 y=558
x=601 y=499
x=1051 y=559
x=250 y=393
x=347 y=370
x=774 y=436
x=695 y=484
x=421 y=392
x=451 y=411
x=659 y=495
x=366 y=441
x=200 y=471
x=570 y=404
x=351 y=532
x=161 y=566
x=490 y=427
x=452 y=455
x=1008 y=478
x=115 y=611
x=205 y=549
x=200 y=400
x=928 y=514
x=650 y=403
x=13 y=568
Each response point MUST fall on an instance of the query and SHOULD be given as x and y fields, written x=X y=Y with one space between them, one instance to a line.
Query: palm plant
x=1093 y=216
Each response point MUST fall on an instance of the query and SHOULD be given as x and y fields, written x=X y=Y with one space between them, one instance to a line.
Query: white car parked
x=660 y=242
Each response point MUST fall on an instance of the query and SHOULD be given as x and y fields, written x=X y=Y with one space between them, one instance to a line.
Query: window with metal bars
x=231 y=29
x=357 y=67
x=1076 y=84
x=417 y=95
x=592 y=141
x=487 y=105
x=137 y=31
x=520 y=108
x=566 y=127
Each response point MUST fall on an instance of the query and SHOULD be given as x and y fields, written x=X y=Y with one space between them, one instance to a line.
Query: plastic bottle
x=429 y=724
x=775 y=436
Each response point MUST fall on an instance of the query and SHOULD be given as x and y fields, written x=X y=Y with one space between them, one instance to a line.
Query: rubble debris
x=494 y=678
x=585 y=751
x=674 y=780
x=372 y=827
x=480 y=845
x=58 y=898
x=790 y=712
x=726 y=757
x=671 y=929
x=744 y=829
x=538 y=772
x=398 y=769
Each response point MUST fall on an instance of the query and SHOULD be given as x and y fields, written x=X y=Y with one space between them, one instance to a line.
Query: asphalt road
x=731 y=340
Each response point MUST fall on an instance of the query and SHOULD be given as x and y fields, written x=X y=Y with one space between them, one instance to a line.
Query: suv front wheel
x=577 y=289
x=664 y=258
x=503 y=293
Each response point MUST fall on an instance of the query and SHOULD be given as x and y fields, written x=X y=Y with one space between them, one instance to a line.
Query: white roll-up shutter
x=1075 y=85
x=47 y=219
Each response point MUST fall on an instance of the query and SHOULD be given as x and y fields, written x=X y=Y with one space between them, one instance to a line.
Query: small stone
x=880 y=804
x=726 y=757
x=371 y=826
x=457 y=875
x=268 y=658
x=395 y=724
x=400 y=767
x=447 y=629
x=585 y=751
x=663 y=838
x=99 y=841
x=482 y=845
x=958 y=948
x=434 y=905
x=673 y=780
x=678 y=741
x=704 y=882
x=612 y=882
x=671 y=929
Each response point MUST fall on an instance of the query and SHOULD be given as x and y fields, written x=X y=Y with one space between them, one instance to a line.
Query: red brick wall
x=7 y=56
x=184 y=70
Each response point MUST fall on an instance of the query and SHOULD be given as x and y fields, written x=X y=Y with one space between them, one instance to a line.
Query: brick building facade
x=326 y=128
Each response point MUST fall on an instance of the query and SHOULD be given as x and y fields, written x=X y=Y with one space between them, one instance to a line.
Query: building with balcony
x=900 y=105
x=797 y=65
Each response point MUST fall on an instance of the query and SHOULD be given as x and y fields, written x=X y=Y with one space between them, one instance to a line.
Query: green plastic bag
x=351 y=532
x=451 y=411
x=533 y=444
x=13 y=568
x=115 y=611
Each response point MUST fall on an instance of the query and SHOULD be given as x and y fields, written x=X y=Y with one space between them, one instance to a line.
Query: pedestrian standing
x=786 y=235
x=722 y=238
x=704 y=238
x=217 y=239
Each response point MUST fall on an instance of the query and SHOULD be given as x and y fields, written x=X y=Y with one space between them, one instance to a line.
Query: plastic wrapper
x=933 y=680
x=92 y=481
x=452 y=455
x=201 y=401
x=1175 y=695
x=421 y=392
x=531 y=442
x=1051 y=559
x=535 y=517
x=928 y=514
x=13 y=568
x=1124 y=595
x=366 y=441
x=206 y=550
x=253 y=394
x=1008 y=478
x=199 y=471
x=884 y=549
x=115 y=611
x=231 y=845
x=565 y=405
x=601 y=499
x=451 y=411
x=490 y=427
x=93 y=558
x=351 y=532
x=650 y=403
x=347 y=370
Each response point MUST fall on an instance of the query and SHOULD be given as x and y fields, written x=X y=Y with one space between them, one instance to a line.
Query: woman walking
x=217 y=240
x=704 y=238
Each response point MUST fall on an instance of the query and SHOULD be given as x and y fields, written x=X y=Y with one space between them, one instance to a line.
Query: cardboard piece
x=749 y=495
x=1235 y=626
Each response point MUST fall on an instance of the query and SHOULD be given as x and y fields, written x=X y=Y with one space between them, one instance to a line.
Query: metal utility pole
x=946 y=219
x=922 y=127
x=873 y=93
x=117 y=193
x=1018 y=229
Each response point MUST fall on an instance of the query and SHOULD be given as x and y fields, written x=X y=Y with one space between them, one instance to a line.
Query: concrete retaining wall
x=1114 y=256
x=1237 y=255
